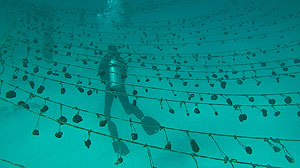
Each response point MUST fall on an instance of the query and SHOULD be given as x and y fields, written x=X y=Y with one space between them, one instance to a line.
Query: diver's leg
x=112 y=128
x=146 y=120
x=109 y=97
x=128 y=107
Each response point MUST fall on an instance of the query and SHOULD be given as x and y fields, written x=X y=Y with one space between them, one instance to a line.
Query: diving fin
x=123 y=148
x=150 y=125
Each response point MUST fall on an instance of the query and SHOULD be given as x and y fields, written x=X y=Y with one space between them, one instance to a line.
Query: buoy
x=87 y=143
x=68 y=76
x=229 y=101
x=40 y=89
x=242 y=117
x=21 y=103
x=168 y=145
x=251 y=99
x=62 y=91
x=134 y=136
x=36 y=69
x=58 y=134
x=134 y=92
x=223 y=85
x=44 y=109
x=214 y=97
x=194 y=145
x=172 y=111
x=31 y=83
x=89 y=92
x=81 y=90
x=248 y=149
x=239 y=82
x=289 y=159
x=276 y=149
x=77 y=118
x=265 y=112
x=102 y=123
x=272 y=101
x=62 y=119
x=25 y=77
x=120 y=160
x=288 y=100
x=11 y=94
x=35 y=132
x=196 y=110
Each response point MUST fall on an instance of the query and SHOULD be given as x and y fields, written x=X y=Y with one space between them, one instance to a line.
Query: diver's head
x=113 y=50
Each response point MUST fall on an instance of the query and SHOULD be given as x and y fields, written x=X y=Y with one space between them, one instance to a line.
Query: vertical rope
x=150 y=158
x=220 y=149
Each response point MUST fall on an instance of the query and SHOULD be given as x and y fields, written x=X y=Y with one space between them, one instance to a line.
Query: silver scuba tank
x=115 y=74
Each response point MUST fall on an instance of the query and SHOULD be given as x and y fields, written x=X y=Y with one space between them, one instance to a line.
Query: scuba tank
x=47 y=50
x=115 y=74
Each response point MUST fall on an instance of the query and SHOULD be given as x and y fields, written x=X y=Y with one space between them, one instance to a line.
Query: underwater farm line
x=191 y=94
x=208 y=55
x=135 y=85
x=47 y=99
x=150 y=83
x=189 y=32
x=209 y=17
x=282 y=66
x=193 y=155
x=12 y=163
x=186 y=21
x=190 y=35
x=213 y=97
x=277 y=47
x=177 y=76
x=199 y=42
x=88 y=58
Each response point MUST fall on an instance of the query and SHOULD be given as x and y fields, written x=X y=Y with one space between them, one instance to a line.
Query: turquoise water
x=237 y=62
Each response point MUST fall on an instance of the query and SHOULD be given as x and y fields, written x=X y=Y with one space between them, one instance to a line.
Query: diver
x=112 y=71
x=82 y=17
x=47 y=49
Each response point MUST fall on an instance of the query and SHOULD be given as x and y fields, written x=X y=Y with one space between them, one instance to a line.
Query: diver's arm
x=103 y=66
x=124 y=67
x=103 y=69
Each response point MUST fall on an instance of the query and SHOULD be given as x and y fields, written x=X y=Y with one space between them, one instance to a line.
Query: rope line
x=151 y=98
x=141 y=144
x=140 y=123
x=12 y=163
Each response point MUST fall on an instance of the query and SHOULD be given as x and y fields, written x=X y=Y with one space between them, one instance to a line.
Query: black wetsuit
x=103 y=72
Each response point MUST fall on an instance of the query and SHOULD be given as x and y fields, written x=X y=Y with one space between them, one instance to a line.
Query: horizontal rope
x=283 y=30
x=150 y=98
x=253 y=70
x=177 y=31
x=10 y=162
x=158 y=88
x=88 y=57
x=142 y=144
x=140 y=123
